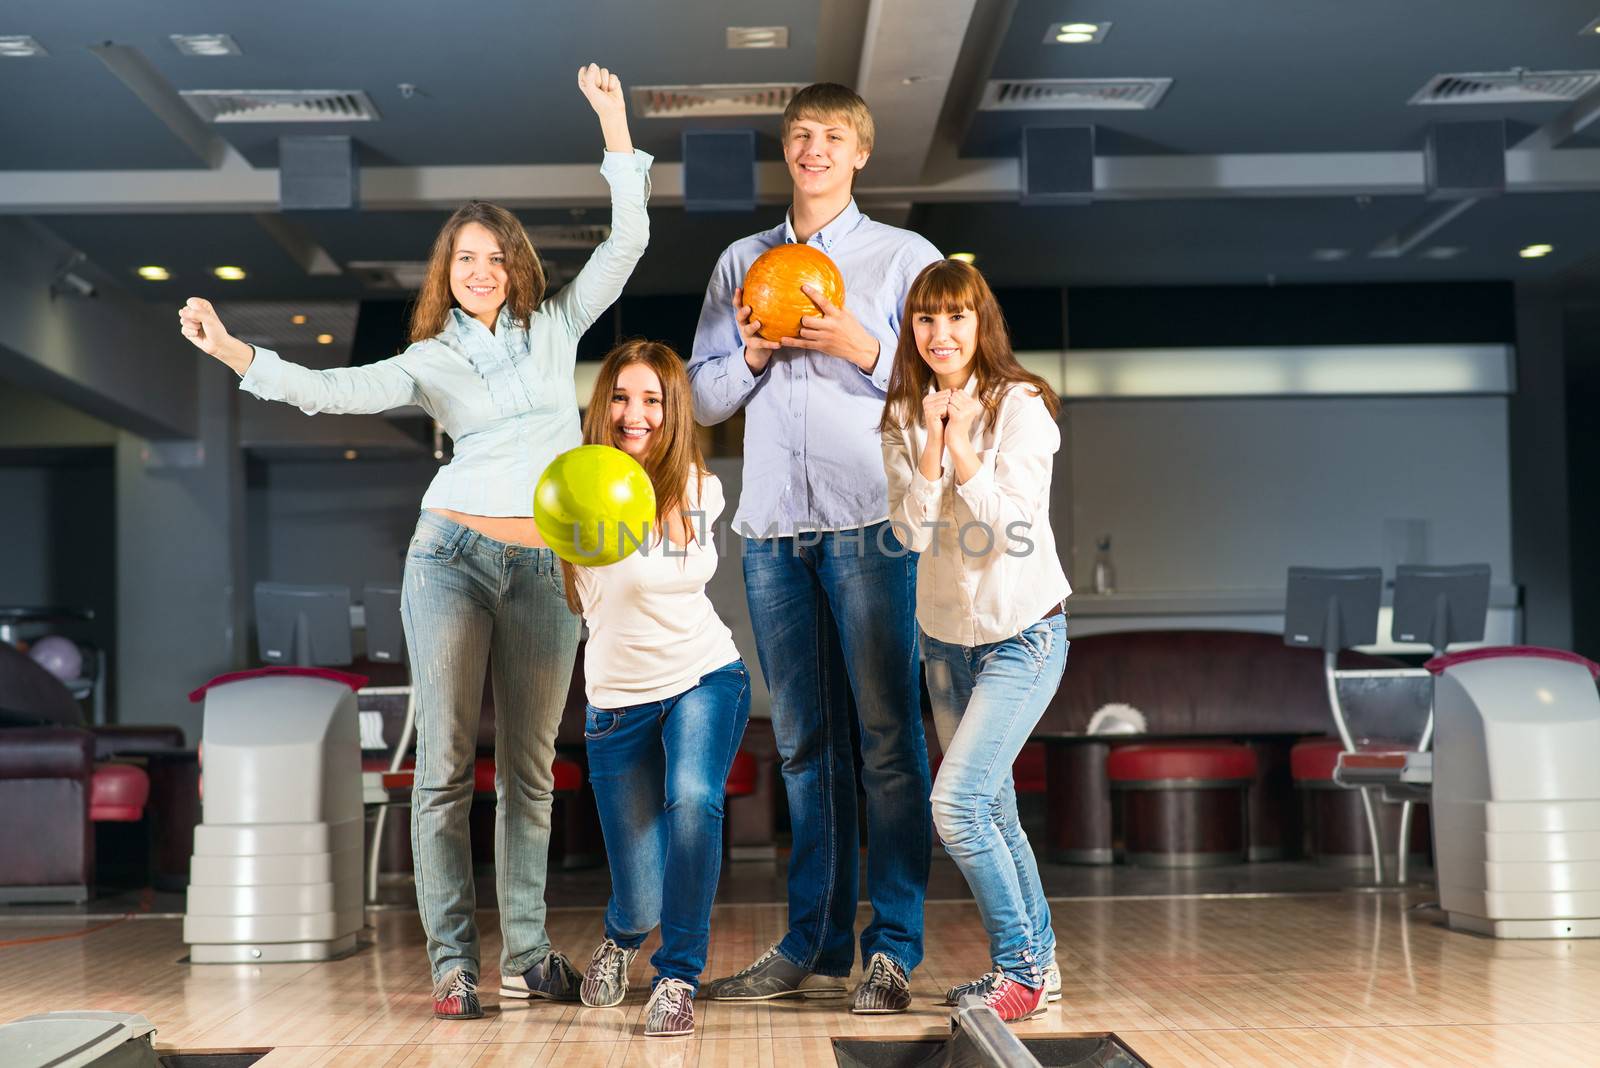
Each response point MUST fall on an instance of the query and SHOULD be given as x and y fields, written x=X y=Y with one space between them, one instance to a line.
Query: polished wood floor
x=1307 y=980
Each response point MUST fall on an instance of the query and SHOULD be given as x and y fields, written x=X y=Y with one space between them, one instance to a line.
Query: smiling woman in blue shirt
x=492 y=361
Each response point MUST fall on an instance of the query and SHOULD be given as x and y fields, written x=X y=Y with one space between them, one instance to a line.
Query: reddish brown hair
x=675 y=452
x=525 y=280
x=949 y=286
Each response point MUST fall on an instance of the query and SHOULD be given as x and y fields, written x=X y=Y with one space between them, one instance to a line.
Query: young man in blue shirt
x=832 y=591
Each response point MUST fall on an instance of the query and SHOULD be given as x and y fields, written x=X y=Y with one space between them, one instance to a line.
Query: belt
x=1054 y=609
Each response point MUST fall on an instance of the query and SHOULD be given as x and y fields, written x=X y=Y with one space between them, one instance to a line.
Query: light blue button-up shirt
x=812 y=459
x=506 y=397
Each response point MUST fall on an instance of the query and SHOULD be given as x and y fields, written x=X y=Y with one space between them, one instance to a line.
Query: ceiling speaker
x=317 y=174
x=1465 y=160
x=719 y=170
x=1057 y=164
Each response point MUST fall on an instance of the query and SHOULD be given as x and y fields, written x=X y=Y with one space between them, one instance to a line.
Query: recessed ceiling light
x=154 y=274
x=1442 y=252
x=20 y=47
x=1533 y=252
x=1076 y=32
x=1329 y=255
x=758 y=37
x=350 y=454
x=298 y=320
x=204 y=44
x=1591 y=29
x=324 y=339
x=965 y=257
x=229 y=274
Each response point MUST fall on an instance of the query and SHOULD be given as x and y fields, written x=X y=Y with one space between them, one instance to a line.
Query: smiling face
x=478 y=273
x=947 y=341
x=823 y=155
x=636 y=409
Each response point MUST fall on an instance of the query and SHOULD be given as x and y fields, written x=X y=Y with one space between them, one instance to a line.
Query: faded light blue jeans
x=470 y=602
x=660 y=773
x=986 y=701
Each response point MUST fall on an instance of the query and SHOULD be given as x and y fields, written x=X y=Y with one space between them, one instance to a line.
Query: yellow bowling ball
x=594 y=505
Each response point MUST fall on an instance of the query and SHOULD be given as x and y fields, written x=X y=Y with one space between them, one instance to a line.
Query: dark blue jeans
x=835 y=616
x=660 y=771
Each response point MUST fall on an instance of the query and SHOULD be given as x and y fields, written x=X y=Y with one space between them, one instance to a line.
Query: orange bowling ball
x=772 y=287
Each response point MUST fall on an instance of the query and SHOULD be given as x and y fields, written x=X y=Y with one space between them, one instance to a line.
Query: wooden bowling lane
x=1346 y=979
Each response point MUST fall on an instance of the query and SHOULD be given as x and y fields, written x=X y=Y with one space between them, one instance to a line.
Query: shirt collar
x=464 y=322
x=830 y=234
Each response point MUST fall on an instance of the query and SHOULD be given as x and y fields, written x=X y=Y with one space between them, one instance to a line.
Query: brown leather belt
x=1052 y=610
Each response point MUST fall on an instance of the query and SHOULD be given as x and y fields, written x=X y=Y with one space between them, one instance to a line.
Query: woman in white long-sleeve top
x=668 y=694
x=492 y=361
x=969 y=440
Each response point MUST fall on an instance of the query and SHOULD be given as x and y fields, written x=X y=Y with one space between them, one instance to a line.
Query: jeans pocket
x=597 y=723
x=558 y=580
x=1038 y=640
x=433 y=546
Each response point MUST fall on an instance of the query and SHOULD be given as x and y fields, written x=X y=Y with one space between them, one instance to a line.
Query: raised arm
x=627 y=171
x=376 y=387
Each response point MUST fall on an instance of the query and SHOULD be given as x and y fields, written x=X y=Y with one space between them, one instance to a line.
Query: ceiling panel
x=500 y=88
x=1269 y=76
x=1254 y=241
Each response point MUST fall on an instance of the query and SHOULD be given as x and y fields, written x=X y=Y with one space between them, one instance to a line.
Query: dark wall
x=59 y=508
x=1583 y=467
x=332 y=521
x=1179 y=317
x=1111 y=317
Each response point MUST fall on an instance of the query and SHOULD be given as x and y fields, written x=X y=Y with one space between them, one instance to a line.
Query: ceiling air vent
x=409 y=275
x=272 y=323
x=390 y=274
x=282 y=105
x=1075 y=94
x=1507 y=87
x=704 y=101
x=758 y=37
x=567 y=235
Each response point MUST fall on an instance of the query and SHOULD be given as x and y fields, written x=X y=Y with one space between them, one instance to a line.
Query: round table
x=1078 y=793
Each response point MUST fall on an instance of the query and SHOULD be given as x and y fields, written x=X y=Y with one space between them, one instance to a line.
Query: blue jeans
x=835 y=616
x=986 y=701
x=468 y=602
x=660 y=771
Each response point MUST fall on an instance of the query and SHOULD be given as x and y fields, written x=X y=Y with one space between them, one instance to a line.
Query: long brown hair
x=949 y=286
x=674 y=453
x=525 y=280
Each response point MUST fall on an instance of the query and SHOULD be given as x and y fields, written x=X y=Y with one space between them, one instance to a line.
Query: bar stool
x=1335 y=823
x=1183 y=805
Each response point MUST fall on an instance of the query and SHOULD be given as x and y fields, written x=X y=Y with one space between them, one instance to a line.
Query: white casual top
x=988 y=567
x=506 y=398
x=652 y=630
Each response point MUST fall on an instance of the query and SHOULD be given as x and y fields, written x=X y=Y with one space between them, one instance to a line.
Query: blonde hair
x=830 y=101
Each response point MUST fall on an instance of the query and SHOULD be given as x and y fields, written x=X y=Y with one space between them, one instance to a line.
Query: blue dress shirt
x=812 y=459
